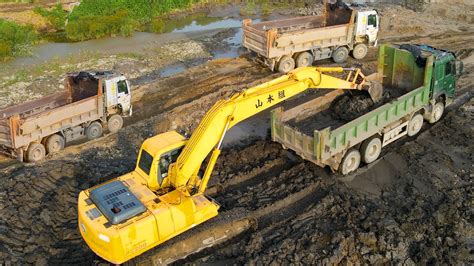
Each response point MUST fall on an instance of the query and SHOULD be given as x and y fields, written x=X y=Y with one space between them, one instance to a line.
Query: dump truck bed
x=325 y=143
x=36 y=106
x=276 y=38
x=22 y=124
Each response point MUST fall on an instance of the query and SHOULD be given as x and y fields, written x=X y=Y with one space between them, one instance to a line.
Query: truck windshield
x=145 y=162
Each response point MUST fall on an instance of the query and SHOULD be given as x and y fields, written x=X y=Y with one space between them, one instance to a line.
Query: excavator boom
x=227 y=113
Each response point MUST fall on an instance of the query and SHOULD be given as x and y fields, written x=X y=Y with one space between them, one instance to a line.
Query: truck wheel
x=94 y=130
x=370 y=149
x=286 y=64
x=359 y=51
x=55 y=143
x=438 y=111
x=35 y=152
x=350 y=162
x=115 y=123
x=340 y=54
x=415 y=124
x=304 y=59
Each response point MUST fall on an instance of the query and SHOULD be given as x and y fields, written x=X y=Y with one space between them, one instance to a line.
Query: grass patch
x=91 y=27
x=15 y=39
x=99 y=18
x=56 y=16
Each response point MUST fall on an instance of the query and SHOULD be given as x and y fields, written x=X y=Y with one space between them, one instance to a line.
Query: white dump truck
x=89 y=102
x=288 y=43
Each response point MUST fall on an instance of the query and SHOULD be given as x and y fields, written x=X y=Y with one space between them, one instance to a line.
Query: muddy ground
x=413 y=206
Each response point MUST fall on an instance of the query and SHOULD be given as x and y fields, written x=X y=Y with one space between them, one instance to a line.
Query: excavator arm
x=226 y=113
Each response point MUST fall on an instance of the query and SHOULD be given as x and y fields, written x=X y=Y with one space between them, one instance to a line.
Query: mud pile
x=343 y=109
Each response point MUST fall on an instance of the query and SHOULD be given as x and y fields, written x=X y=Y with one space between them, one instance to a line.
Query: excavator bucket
x=375 y=90
x=373 y=86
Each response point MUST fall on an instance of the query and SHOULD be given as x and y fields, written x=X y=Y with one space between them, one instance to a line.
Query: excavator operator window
x=145 y=162
x=165 y=161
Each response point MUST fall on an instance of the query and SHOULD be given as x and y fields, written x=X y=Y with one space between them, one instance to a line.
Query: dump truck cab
x=445 y=73
x=367 y=23
x=113 y=85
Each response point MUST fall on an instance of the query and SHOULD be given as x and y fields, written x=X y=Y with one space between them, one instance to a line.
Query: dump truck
x=423 y=78
x=164 y=195
x=89 y=102
x=296 y=42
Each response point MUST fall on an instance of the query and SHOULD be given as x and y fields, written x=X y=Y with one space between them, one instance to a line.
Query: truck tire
x=414 y=125
x=94 y=130
x=286 y=64
x=350 y=162
x=35 y=152
x=437 y=113
x=54 y=143
x=304 y=59
x=340 y=54
x=115 y=123
x=359 y=51
x=370 y=149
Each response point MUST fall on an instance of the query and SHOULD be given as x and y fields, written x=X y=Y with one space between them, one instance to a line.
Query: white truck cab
x=118 y=94
x=368 y=22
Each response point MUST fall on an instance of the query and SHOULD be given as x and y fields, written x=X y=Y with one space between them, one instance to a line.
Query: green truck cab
x=425 y=80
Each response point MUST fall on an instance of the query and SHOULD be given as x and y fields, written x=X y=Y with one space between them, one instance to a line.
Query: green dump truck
x=425 y=79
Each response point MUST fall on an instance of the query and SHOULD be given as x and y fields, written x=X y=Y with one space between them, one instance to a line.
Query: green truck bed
x=396 y=69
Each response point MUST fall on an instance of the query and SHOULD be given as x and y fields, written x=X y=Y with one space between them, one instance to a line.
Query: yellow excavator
x=164 y=195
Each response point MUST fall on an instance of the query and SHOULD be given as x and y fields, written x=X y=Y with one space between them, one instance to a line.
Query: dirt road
x=413 y=206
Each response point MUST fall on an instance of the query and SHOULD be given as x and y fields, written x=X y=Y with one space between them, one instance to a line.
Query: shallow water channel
x=195 y=26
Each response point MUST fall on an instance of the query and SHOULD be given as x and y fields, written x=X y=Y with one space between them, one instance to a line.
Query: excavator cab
x=156 y=155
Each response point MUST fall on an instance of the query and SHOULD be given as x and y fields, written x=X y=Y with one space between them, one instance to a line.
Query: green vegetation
x=15 y=39
x=56 y=16
x=249 y=8
x=84 y=28
x=98 y=18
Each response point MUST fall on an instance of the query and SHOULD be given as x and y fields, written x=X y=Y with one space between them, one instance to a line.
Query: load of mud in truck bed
x=343 y=109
